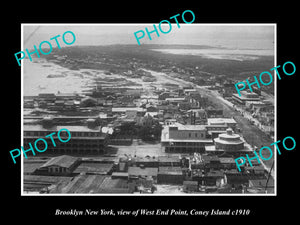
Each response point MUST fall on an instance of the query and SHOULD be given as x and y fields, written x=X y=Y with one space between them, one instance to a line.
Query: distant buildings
x=55 y=102
x=127 y=109
x=203 y=140
x=246 y=96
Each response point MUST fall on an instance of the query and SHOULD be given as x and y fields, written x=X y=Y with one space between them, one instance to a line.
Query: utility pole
x=269 y=176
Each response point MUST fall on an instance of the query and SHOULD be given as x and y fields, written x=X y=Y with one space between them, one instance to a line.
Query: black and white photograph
x=146 y=113
x=144 y=109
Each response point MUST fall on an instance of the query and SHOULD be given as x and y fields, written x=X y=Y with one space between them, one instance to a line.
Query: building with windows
x=84 y=139
x=230 y=143
x=59 y=166
x=170 y=175
x=216 y=126
x=245 y=96
x=184 y=138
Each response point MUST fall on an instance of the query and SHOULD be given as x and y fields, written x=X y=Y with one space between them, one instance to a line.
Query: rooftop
x=229 y=141
x=209 y=158
x=110 y=185
x=81 y=184
x=62 y=161
x=229 y=138
x=94 y=167
x=119 y=174
x=260 y=183
x=244 y=98
x=170 y=170
x=215 y=173
x=226 y=160
x=175 y=99
x=124 y=109
x=168 y=159
x=39 y=127
x=188 y=127
x=165 y=133
x=216 y=121
x=38 y=181
x=137 y=171
x=31 y=165
x=144 y=159
x=212 y=148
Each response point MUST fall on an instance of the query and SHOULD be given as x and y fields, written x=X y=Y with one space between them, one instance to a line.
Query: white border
x=132 y=24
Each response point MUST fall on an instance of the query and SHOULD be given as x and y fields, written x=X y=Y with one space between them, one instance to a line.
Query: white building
x=184 y=138
x=245 y=96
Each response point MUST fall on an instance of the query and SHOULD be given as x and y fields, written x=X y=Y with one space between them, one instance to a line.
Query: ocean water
x=221 y=53
x=238 y=36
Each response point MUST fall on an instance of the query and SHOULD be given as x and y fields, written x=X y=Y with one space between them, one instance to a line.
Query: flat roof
x=214 y=173
x=45 y=179
x=170 y=170
x=208 y=141
x=31 y=166
x=226 y=160
x=187 y=127
x=210 y=158
x=168 y=159
x=257 y=102
x=39 y=127
x=83 y=184
x=124 y=109
x=209 y=148
x=229 y=141
x=212 y=148
x=243 y=98
x=175 y=99
x=62 y=161
x=119 y=174
x=165 y=135
x=144 y=159
x=213 y=121
x=190 y=182
x=147 y=171
x=113 y=185
x=94 y=167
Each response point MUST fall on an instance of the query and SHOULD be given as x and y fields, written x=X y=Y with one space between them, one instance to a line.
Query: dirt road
x=252 y=134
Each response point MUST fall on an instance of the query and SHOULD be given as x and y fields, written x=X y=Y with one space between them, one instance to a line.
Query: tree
x=150 y=133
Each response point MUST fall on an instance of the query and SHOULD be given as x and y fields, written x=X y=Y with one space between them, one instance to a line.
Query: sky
x=254 y=36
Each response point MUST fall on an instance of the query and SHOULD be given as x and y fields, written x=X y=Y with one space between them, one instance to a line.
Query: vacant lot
x=141 y=150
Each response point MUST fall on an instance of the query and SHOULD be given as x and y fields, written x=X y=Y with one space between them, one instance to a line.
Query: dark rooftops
x=90 y=167
x=168 y=158
x=61 y=161
x=210 y=158
x=170 y=170
x=137 y=171
x=226 y=160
